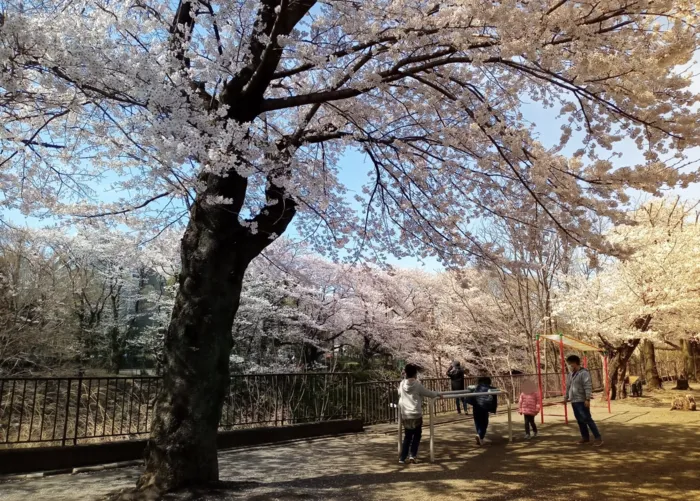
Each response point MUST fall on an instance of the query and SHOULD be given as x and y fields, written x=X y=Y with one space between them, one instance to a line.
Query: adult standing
x=579 y=389
x=456 y=375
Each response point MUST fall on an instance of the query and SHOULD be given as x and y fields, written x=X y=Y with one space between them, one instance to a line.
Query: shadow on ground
x=640 y=461
x=650 y=454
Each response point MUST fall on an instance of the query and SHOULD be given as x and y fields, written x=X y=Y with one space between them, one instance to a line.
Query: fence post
x=362 y=409
x=67 y=411
x=77 y=407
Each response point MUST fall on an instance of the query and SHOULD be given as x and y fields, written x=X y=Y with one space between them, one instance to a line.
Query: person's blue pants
x=411 y=441
x=481 y=421
x=585 y=421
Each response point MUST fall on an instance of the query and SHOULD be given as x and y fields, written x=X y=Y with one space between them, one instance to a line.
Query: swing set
x=574 y=344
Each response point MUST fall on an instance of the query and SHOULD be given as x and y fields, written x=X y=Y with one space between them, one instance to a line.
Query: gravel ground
x=650 y=453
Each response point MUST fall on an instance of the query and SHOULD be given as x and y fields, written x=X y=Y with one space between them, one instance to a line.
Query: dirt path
x=650 y=453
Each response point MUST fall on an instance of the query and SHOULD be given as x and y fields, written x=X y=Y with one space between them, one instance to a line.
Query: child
x=411 y=394
x=483 y=405
x=529 y=407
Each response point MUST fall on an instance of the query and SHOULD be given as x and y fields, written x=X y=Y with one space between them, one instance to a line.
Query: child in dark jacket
x=483 y=405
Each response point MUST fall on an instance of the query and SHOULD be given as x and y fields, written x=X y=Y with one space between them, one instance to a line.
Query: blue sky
x=354 y=167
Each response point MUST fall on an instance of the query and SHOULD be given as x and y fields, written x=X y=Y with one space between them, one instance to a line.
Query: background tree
x=528 y=261
x=649 y=296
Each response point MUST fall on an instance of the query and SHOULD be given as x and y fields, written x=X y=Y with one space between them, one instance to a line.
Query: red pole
x=563 y=378
x=607 y=384
x=585 y=361
x=539 y=377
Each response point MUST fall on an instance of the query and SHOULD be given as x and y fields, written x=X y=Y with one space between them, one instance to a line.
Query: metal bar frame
x=539 y=378
x=456 y=394
x=563 y=378
x=607 y=384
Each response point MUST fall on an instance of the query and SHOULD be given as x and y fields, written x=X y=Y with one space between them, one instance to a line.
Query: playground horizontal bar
x=462 y=393
x=454 y=394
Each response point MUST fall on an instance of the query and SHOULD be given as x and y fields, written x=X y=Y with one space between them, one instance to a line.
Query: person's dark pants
x=464 y=403
x=481 y=421
x=411 y=438
x=530 y=421
x=585 y=421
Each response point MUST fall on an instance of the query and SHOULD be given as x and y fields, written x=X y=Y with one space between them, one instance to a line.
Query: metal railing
x=378 y=400
x=69 y=411
x=284 y=399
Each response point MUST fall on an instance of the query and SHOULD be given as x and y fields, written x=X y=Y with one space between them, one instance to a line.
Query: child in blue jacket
x=483 y=405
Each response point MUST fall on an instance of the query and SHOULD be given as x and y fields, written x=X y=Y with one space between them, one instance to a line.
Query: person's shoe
x=412 y=460
x=534 y=435
x=583 y=442
x=527 y=436
x=485 y=441
x=478 y=439
x=459 y=412
x=598 y=443
x=401 y=461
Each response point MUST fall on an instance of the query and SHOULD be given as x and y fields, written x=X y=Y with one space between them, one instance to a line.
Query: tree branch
x=127 y=210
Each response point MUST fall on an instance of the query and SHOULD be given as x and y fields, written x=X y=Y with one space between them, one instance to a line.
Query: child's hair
x=411 y=370
x=573 y=359
x=528 y=386
x=484 y=380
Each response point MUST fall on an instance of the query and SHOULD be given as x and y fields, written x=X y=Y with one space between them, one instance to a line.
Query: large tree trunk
x=215 y=252
x=182 y=447
x=651 y=371
x=617 y=368
x=688 y=350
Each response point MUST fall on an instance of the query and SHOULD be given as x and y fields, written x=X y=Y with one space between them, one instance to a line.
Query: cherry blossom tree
x=36 y=323
x=651 y=295
x=526 y=261
x=231 y=118
x=74 y=297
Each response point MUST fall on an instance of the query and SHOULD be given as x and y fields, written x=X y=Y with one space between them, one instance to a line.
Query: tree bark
x=216 y=249
x=687 y=348
x=651 y=371
x=682 y=384
x=617 y=368
x=115 y=350
x=182 y=447
x=215 y=252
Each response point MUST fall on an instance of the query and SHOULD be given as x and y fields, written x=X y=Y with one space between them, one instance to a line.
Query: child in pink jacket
x=529 y=406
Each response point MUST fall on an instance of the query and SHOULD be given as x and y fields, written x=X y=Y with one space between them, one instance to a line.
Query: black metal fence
x=69 y=411
x=64 y=411
x=283 y=399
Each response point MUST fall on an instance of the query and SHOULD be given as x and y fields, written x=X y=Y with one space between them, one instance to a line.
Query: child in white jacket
x=411 y=394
